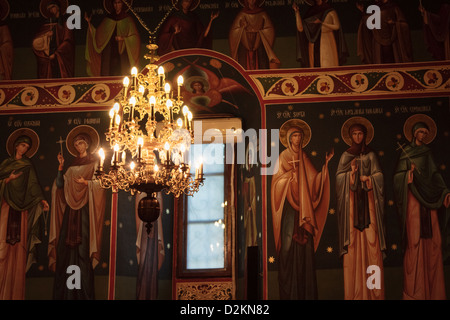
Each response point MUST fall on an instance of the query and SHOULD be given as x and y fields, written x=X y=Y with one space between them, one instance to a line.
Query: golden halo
x=10 y=143
x=63 y=4
x=357 y=120
x=107 y=4
x=177 y=3
x=295 y=123
x=413 y=120
x=88 y=130
x=4 y=9
x=259 y=3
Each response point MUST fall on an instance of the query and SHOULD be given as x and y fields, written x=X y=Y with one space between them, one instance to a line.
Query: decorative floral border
x=204 y=291
x=348 y=82
x=72 y=93
x=398 y=80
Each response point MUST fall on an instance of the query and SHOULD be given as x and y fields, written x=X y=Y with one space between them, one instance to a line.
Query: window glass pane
x=213 y=168
x=212 y=156
x=205 y=212
x=207 y=204
x=205 y=246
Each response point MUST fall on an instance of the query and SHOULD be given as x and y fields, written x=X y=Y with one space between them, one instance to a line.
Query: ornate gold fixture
x=153 y=129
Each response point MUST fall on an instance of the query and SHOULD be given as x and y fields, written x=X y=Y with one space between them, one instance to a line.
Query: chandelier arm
x=143 y=125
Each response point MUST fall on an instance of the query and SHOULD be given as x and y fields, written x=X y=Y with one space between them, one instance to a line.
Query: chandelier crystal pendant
x=153 y=129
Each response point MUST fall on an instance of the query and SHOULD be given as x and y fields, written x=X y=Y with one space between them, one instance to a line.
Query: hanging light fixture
x=153 y=130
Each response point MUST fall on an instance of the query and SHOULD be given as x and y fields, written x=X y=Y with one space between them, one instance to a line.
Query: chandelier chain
x=143 y=126
x=144 y=25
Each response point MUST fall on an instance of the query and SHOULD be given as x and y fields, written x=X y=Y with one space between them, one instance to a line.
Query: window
x=204 y=248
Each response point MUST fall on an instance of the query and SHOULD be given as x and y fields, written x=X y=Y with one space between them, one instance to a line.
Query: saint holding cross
x=300 y=197
x=77 y=217
x=419 y=198
x=61 y=141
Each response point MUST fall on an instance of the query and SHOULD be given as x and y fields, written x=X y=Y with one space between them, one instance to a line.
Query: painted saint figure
x=252 y=37
x=6 y=43
x=54 y=44
x=389 y=44
x=184 y=29
x=300 y=198
x=437 y=31
x=249 y=193
x=76 y=224
x=22 y=202
x=420 y=192
x=114 y=47
x=150 y=254
x=320 y=40
x=360 y=211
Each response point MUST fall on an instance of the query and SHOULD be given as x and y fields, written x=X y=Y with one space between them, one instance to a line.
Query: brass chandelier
x=153 y=129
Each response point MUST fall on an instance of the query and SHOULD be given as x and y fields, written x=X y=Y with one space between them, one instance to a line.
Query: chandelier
x=150 y=133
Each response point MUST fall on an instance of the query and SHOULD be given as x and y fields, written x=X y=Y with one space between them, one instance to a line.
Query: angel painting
x=203 y=89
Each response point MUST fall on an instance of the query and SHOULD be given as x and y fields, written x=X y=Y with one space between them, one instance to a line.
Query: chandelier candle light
x=143 y=127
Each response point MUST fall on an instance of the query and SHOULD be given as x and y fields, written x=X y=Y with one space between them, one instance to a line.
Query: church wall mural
x=37 y=43
x=50 y=157
x=84 y=103
x=388 y=122
x=319 y=114
x=227 y=91
x=115 y=262
x=321 y=103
